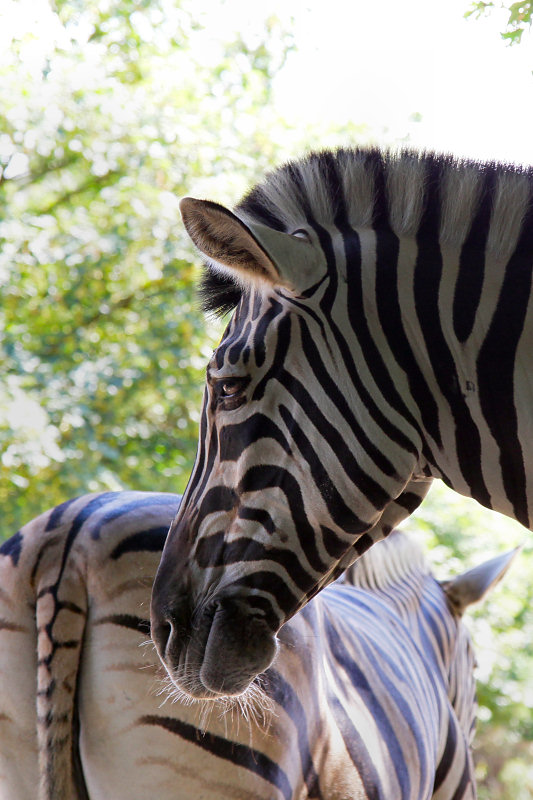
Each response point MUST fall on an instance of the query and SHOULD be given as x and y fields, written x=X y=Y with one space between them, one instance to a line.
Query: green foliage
x=520 y=17
x=111 y=110
x=458 y=534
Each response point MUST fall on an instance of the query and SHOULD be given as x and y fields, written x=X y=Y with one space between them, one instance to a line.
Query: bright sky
x=381 y=63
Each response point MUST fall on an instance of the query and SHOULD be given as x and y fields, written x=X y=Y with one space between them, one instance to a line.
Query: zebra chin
x=220 y=655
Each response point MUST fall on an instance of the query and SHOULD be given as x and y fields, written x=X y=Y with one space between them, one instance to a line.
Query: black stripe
x=371 y=353
x=356 y=749
x=341 y=514
x=236 y=349
x=261 y=516
x=271 y=583
x=235 y=438
x=201 y=452
x=363 y=544
x=472 y=263
x=129 y=621
x=285 y=696
x=408 y=500
x=215 y=551
x=366 y=484
x=257 y=304
x=448 y=754
x=133 y=503
x=206 y=465
x=93 y=505
x=427 y=279
x=268 y=476
x=328 y=385
x=279 y=358
x=467 y=778
x=431 y=611
x=12 y=548
x=496 y=365
x=261 y=329
x=357 y=317
x=150 y=540
x=367 y=694
x=391 y=320
x=56 y=515
x=238 y=754
x=387 y=303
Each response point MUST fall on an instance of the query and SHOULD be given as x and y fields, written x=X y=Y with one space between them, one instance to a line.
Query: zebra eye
x=301 y=234
x=230 y=388
x=229 y=392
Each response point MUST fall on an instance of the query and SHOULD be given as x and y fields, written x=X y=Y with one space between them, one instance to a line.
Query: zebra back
x=86 y=712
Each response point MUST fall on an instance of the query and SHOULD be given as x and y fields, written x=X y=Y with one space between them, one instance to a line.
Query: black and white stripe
x=371 y=694
x=381 y=337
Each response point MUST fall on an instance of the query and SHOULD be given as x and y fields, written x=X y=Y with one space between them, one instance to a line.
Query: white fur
x=405 y=181
x=510 y=205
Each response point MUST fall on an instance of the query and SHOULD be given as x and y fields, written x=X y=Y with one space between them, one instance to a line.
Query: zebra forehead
x=387 y=562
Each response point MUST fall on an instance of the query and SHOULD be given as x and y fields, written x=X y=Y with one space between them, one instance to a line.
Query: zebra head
x=291 y=480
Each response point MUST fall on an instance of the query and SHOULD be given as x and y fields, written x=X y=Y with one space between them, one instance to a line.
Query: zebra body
x=382 y=337
x=371 y=694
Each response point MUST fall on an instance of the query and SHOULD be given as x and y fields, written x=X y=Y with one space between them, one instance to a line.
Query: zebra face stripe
x=278 y=497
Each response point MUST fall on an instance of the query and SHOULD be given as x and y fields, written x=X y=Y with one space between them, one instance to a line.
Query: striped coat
x=381 y=337
x=371 y=694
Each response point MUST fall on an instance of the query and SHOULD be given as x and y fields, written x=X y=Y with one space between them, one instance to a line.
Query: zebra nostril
x=161 y=633
x=170 y=627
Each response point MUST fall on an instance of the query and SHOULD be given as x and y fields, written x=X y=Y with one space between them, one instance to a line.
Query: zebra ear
x=248 y=253
x=472 y=585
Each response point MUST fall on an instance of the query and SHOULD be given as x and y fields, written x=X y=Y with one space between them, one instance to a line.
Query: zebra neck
x=387 y=563
x=453 y=326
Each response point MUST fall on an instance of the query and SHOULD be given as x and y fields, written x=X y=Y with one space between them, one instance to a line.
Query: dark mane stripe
x=218 y=293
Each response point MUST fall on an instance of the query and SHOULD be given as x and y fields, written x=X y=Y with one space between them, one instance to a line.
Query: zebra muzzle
x=217 y=652
x=239 y=647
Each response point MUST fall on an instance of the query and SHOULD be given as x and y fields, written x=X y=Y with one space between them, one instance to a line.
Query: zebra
x=381 y=337
x=371 y=695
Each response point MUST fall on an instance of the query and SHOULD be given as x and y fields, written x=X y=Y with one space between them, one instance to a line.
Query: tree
x=520 y=17
x=110 y=112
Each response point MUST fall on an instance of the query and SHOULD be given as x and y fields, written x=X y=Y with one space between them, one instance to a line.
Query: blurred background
x=110 y=111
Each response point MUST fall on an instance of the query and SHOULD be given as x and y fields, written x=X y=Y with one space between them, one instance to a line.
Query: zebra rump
x=371 y=694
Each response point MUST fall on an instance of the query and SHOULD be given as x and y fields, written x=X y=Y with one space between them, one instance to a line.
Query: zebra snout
x=239 y=647
x=216 y=651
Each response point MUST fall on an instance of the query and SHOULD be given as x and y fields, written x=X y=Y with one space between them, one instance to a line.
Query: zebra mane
x=461 y=200
x=387 y=562
x=218 y=293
